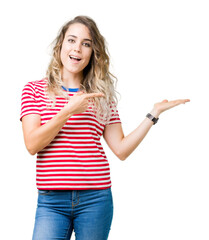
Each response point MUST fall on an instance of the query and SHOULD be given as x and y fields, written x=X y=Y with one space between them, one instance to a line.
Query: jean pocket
x=44 y=192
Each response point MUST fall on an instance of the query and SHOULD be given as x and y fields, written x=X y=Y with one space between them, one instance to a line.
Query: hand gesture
x=78 y=103
x=165 y=105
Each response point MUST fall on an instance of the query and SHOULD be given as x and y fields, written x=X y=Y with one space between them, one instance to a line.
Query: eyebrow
x=86 y=39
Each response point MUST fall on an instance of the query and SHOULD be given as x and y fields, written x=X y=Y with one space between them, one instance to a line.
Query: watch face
x=154 y=120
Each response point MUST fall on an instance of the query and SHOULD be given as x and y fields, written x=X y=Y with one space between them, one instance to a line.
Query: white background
x=159 y=50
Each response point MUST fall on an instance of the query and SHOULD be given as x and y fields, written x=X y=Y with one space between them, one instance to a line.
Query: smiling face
x=76 y=50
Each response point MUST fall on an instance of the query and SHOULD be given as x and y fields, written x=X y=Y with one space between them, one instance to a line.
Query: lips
x=76 y=58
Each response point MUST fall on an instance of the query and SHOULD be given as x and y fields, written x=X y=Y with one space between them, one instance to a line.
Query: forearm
x=41 y=136
x=37 y=137
x=123 y=146
x=130 y=142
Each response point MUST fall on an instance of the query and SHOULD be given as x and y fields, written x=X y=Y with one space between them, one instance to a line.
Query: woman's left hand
x=165 y=105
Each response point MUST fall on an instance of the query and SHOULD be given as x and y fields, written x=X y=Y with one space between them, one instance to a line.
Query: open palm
x=165 y=105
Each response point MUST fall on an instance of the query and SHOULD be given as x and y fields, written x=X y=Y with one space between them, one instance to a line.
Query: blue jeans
x=88 y=212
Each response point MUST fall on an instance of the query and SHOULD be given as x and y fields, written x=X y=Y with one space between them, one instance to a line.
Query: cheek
x=64 y=49
x=63 y=54
x=89 y=54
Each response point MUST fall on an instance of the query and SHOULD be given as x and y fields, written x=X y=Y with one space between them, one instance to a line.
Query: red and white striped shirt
x=75 y=158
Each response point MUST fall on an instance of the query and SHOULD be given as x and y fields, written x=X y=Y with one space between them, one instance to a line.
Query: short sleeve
x=29 y=101
x=114 y=117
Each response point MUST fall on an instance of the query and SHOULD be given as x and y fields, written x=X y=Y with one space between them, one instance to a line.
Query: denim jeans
x=88 y=212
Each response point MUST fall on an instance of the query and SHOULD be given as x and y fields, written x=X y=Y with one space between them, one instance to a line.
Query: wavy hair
x=96 y=75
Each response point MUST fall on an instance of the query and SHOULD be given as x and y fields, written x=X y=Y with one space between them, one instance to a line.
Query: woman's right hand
x=38 y=136
x=79 y=102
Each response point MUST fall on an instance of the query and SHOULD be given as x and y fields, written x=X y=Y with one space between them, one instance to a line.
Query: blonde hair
x=96 y=75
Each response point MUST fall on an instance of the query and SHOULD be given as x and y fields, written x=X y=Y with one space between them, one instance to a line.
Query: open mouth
x=75 y=58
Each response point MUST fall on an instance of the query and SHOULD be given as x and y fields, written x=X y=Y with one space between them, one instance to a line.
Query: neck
x=72 y=80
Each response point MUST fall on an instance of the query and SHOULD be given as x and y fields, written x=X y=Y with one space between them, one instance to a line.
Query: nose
x=77 y=47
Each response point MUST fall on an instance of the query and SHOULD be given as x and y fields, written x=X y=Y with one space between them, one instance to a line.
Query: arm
x=37 y=136
x=123 y=146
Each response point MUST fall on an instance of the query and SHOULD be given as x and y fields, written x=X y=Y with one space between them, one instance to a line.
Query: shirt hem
x=76 y=188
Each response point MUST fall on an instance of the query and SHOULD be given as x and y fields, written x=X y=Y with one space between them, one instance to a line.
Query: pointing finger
x=79 y=93
x=92 y=95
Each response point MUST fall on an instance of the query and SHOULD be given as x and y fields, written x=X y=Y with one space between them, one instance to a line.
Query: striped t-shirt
x=75 y=158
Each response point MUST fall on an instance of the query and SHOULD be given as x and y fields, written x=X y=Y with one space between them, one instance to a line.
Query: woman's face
x=76 y=49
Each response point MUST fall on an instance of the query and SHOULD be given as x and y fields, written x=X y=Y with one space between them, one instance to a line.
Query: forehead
x=78 y=30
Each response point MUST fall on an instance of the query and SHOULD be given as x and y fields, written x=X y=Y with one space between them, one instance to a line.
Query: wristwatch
x=152 y=118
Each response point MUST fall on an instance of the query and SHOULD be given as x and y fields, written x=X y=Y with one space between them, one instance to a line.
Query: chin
x=74 y=70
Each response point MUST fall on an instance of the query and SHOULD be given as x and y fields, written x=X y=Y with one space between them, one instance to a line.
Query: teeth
x=75 y=58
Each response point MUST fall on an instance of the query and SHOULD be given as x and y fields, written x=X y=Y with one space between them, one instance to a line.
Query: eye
x=71 y=40
x=87 y=44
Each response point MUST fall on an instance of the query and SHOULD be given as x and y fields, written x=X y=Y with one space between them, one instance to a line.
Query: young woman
x=64 y=116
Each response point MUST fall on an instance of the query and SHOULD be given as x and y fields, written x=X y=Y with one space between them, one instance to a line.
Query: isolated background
x=159 y=50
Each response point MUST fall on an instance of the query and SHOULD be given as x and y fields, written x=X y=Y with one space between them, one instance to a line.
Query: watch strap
x=152 y=118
